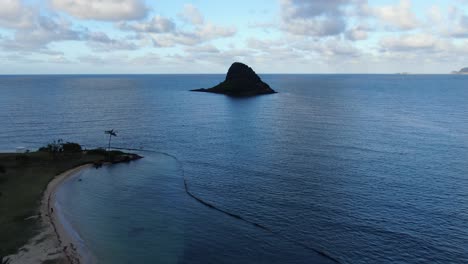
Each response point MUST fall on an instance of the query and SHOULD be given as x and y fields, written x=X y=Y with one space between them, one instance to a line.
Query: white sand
x=53 y=242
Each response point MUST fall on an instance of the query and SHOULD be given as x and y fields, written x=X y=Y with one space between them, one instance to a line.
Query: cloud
x=357 y=33
x=59 y=59
x=147 y=59
x=163 y=32
x=192 y=15
x=397 y=16
x=211 y=31
x=410 y=42
x=307 y=9
x=330 y=49
x=157 y=24
x=44 y=31
x=14 y=15
x=106 y=10
x=461 y=29
x=200 y=34
x=92 y=59
x=202 y=49
x=100 y=41
x=457 y=24
x=40 y=31
x=313 y=18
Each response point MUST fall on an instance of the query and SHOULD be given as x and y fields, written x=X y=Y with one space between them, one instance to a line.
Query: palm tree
x=112 y=133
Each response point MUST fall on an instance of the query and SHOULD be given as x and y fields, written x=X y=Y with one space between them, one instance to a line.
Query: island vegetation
x=25 y=176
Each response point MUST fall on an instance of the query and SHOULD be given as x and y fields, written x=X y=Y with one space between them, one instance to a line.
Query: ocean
x=359 y=168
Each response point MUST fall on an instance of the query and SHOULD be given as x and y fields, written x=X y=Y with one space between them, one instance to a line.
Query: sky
x=271 y=36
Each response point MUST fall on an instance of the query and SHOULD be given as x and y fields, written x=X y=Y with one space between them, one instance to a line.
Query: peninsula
x=31 y=232
x=240 y=80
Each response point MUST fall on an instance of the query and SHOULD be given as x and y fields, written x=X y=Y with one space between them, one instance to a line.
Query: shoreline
x=53 y=241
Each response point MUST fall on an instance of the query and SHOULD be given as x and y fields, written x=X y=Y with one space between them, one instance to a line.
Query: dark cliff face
x=240 y=80
x=241 y=71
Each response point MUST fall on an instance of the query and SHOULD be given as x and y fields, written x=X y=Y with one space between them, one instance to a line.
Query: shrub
x=53 y=147
x=58 y=146
x=2 y=169
x=97 y=151
x=71 y=147
x=22 y=157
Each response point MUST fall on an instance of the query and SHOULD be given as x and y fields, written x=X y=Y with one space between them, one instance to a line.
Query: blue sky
x=283 y=36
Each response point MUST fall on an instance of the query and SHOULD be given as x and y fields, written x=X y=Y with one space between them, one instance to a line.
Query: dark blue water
x=367 y=168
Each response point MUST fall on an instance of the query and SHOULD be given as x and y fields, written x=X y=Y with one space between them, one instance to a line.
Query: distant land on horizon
x=462 y=71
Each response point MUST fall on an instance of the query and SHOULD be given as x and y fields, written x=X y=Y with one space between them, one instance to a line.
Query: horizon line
x=276 y=73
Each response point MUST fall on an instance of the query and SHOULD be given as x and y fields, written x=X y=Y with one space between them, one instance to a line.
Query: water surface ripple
x=370 y=168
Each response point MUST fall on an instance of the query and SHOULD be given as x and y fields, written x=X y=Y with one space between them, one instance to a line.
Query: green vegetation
x=59 y=147
x=24 y=178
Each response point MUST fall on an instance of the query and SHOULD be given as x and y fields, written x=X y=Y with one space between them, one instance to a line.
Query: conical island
x=240 y=80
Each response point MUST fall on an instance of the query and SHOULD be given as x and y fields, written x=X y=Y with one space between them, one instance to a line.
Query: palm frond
x=111 y=132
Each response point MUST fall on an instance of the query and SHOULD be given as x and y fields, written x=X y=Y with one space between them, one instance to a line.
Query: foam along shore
x=55 y=242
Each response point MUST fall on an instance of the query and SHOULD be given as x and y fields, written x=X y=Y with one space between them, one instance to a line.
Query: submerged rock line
x=214 y=207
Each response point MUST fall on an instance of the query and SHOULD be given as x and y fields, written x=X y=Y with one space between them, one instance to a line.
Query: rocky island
x=240 y=80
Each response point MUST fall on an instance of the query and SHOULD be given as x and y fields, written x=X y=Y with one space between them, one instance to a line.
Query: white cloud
x=40 y=31
x=211 y=31
x=191 y=14
x=457 y=24
x=157 y=24
x=13 y=14
x=357 y=33
x=163 y=32
x=313 y=18
x=202 y=49
x=60 y=59
x=397 y=16
x=100 y=41
x=107 y=10
x=410 y=42
x=329 y=49
x=306 y=9
x=434 y=15
x=45 y=31
x=147 y=59
x=92 y=59
x=333 y=34
x=196 y=36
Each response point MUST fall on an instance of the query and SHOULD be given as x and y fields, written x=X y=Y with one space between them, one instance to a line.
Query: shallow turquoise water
x=369 y=168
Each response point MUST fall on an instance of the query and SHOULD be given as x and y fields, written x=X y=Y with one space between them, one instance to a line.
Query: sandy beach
x=53 y=242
